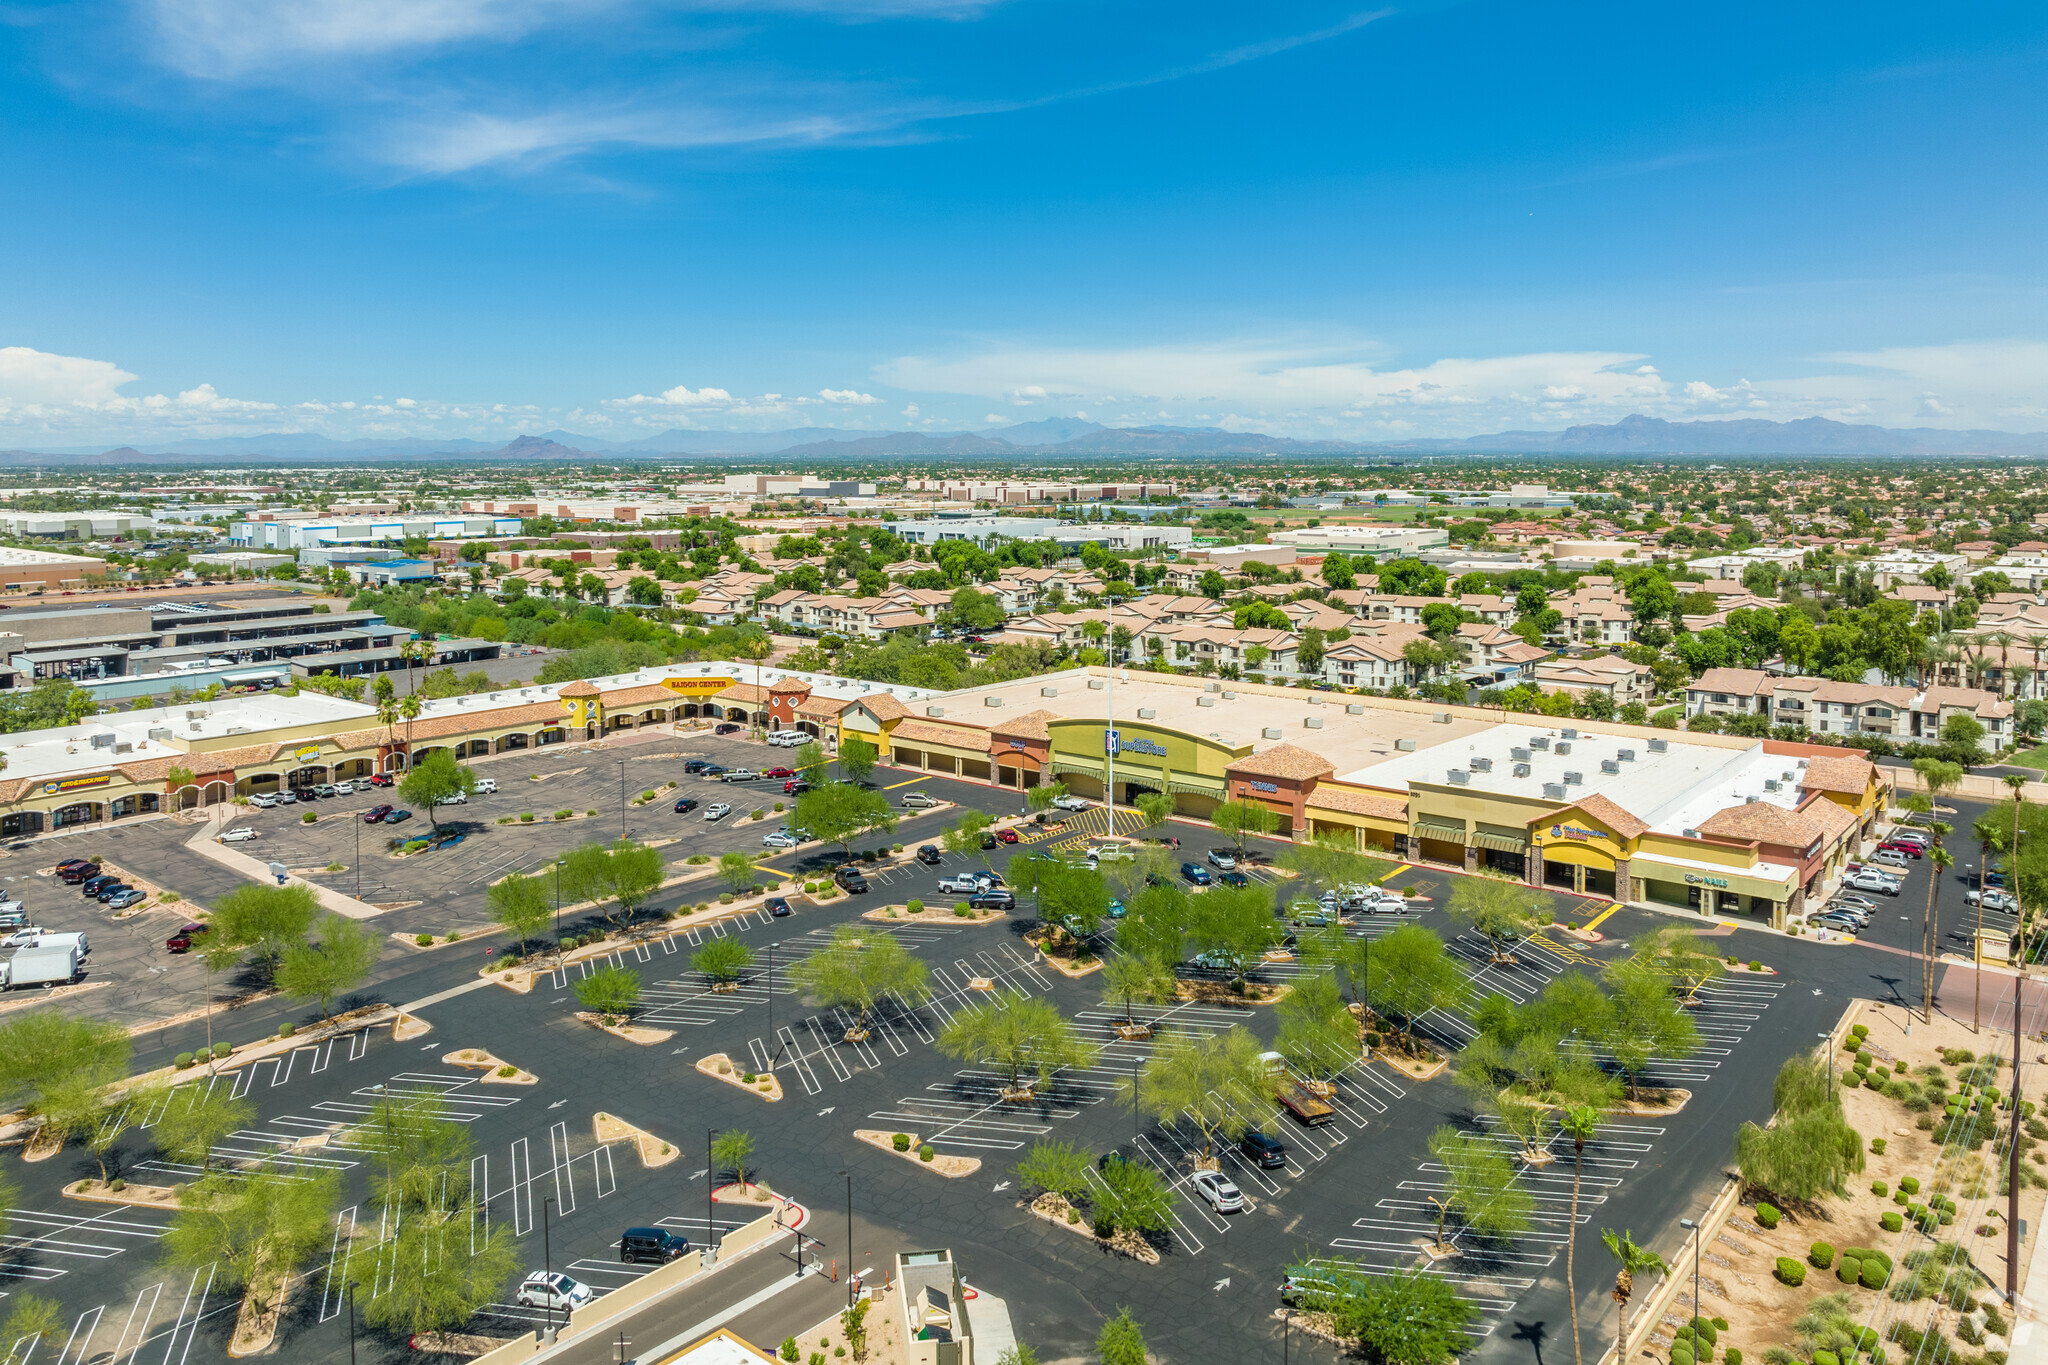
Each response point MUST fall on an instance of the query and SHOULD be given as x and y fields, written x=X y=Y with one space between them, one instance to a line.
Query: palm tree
x=1578 y=1124
x=1938 y=778
x=2036 y=642
x=409 y=707
x=1634 y=1261
x=2016 y=783
x=2003 y=639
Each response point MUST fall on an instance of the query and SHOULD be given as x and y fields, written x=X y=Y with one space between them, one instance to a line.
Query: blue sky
x=481 y=217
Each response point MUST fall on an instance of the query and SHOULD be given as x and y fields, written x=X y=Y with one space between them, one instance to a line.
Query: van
x=919 y=801
x=789 y=739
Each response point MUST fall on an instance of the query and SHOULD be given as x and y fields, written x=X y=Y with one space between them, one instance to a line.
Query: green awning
x=1427 y=828
x=1504 y=843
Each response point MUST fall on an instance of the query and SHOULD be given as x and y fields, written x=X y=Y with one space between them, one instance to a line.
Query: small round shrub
x=308 y=818
x=221 y=1049
x=1877 y=1146
x=1820 y=1255
x=1910 y=1184
x=1826 y=1358
x=1890 y=1222
x=1898 y=1068
x=778 y=808
x=1879 y=1188
x=1732 y=1356
x=901 y=1141
x=961 y=911
x=453 y=938
x=1860 y=1030
x=1790 y=1271
x=526 y=817
x=895 y=848
x=1900 y=1199
x=1874 y=1272
x=287 y=1029
x=1704 y=1330
x=1767 y=1217
x=725 y=898
x=925 y=1152
x=182 y=1060
x=1755 y=966
x=507 y=1072
x=423 y=939
x=590 y=812
x=915 y=907
x=1720 y=1324
x=1852 y=1044
x=747 y=1077
x=1680 y=1355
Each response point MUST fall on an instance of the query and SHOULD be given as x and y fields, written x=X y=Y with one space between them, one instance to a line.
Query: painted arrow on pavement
x=1220 y=1285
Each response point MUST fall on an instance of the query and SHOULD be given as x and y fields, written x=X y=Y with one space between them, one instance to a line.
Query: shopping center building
x=1719 y=823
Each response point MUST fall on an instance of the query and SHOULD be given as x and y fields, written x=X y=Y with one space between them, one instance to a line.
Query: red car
x=382 y=780
x=780 y=772
x=182 y=940
x=1904 y=846
x=1006 y=836
x=375 y=815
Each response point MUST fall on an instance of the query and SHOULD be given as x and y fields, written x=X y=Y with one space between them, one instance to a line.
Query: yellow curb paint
x=911 y=783
x=1600 y=918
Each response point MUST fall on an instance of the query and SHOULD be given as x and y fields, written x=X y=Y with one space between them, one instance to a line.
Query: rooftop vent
x=1315 y=701
x=1442 y=718
x=1354 y=708
x=1575 y=779
x=1692 y=834
x=1770 y=784
x=1539 y=742
x=935 y=710
x=1625 y=755
x=1659 y=746
x=1609 y=765
x=1567 y=734
x=1270 y=733
x=1458 y=777
x=103 y=739
x=1751 y=800
x=1205 y=701
x=1553 y=791
x=1520 y=755
x=1211 y=687
x=1146 y=713
x=1562 y=749
x=991 y=701
x=159 y=732
x=1048 y=691
x=1096 y=684
x=1406 y=746
x=1482 y=765
x=1313 y=722
x=1785 y=776
x=1521 y=770
x=1229 y=695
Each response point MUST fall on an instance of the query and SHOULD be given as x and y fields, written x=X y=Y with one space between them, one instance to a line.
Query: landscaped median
x=762 y=1085
x=496 y=1070
x=653 y=1151
x=917 y=912
x=907 y=1146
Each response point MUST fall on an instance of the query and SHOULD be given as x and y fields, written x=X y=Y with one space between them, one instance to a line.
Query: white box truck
x=54 y=966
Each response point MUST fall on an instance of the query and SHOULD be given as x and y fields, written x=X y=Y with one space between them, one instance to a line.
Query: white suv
x=487 y=785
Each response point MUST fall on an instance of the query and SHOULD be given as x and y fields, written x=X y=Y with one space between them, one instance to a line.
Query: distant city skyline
x=474 y=219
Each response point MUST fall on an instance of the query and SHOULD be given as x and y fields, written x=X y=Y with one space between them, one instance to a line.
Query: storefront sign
x=1693 y=879
x=307 y=753
x=699 y=687
x=75 y=784
x=1264 y=787
x=1142 y=746
x=1017 y=743
x=1574 y=832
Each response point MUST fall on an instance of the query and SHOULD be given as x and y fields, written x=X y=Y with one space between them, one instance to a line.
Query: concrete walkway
x=205 y=844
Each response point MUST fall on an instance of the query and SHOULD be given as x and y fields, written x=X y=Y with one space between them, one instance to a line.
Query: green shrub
x=1680 y=1355
x=925 y=1153
x=1767 y=1216
x=1859 y=1030
x=1900 y=1199
x=1867 y=1254
x=182 y=1060
x=1820 y=1255
x=1879 y=1188
x=287 y=1029
x=1756 y=966
x=564 y=814
x=747 y=1077
x=725 y=898
x=778 y=808
x=915 y=907
x=961 y=911
x=1720 y=1324
x=1852 y=1044
x=1732 y=1356
x=1850 y=1270
x=117 y=1184
x=1790 y=1271
x=1874 y=1274
x=1910 y=1184
x=308 y=818
x=221 y=1049
x=423 y=939
x=1898 y=1068
x=1705 y=1330
x=901 y=1141
x=1826 y=1358
x=790 y=1351
x=526 y=817
x=1890 y=1222
x=1877 y=1146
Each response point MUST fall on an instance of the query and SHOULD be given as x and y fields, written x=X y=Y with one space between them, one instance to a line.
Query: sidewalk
x=257 y=871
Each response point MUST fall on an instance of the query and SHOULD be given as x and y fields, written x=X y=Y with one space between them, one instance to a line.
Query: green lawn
x=2032 y=758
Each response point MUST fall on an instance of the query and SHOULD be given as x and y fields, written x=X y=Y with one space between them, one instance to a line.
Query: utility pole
x=849 y=1237
x=2019 y=996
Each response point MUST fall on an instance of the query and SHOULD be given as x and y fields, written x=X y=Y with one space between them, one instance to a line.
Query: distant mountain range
x=1065 y=436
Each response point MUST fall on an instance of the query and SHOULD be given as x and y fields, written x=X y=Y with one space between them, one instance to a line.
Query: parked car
x=778 y=772
x=78 y=873
x=656 y=1245
x=727 y=729
x=695 y=765
x=775 y=838
x=928 y=854
x=739 y=775
x=987 y=840
x=1195 y=874
x=1233 y=879
x=717 y=810
x=126 y=898
x=70 y=863
x=552 y=1289
x=686 y=805
x=1223 y=859
x=849 y=880
x=183 y=940
x=375 y=815
x=1872 y=881
x=1006 y=836
x=487 y=786
x=1840 y=923
x=287 y=798
x=382 y=780
x=1268 y=1152
x=1111 y=853
x=398 y=817
x=1071 y=802
x=1848 y=898
x=93 y=885
x=1912 y=836
x=264 y=801
x=1892 y=857
x=111 y=890
x=1993 y=899
x=995 y=898
x=1223 y=1196
x=777 y=906
x=237 y=836
x=325 y=790
x=960 y=884
x=454 y=799
x=919 y=800
x=713 y=771
x=796 y=788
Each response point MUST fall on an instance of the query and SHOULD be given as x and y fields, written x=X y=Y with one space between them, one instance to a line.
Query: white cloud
x=998 y=418
x=847 y=396
x=225 y=39
x=681 y=396
x=32 y=378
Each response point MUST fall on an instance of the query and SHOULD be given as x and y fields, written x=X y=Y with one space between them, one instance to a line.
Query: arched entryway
x=215 y=793
x=21 y=823
x=185 y=797
x=79 y=813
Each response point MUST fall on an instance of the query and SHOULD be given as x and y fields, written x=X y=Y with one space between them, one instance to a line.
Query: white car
x=1994 y=899
x=961 y=884
x=1111 y=853
x=487 y=786
x=1892 y=857
x=454 y=799
x=287 y=798
x=1872 y=880
x=1071 y=803
x=545 y=1289
x=777 y=839
x=717 y=810
x=264 y=801
x=1223 y=1196
x=237 y=836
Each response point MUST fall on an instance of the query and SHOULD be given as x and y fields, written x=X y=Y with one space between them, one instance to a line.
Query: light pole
x=547 y=1263
x=622 y=799
x=1831 y=1063
x=351 y=1322
x=849 y=1236
x=710 y=1189
x=359 y=856
x=1697 y=1233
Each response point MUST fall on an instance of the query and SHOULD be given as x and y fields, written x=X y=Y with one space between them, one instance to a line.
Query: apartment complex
x=1837 y=708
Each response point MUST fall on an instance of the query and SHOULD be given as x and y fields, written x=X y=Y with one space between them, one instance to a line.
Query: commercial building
x=986 y=531
x=1379 y=541
x=21 y=568
x=751 y=486
x=1019 y=492
x=307 y=533
x=253 y=561
x=75 y=525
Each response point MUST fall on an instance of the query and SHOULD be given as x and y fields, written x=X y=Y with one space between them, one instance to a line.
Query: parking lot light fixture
x=1697 y=1234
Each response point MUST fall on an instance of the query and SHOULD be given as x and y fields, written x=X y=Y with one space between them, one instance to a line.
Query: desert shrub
x=1877 y=1146
x=1705 y=1330
x=1767 y=1216
x=1890 y=1222
x=1859 y=1030
x=901 y=1141
x=287 y=1029
x=423 y=939
x=961 y=911
x=1732 y=1356
x=925 y=1152
x=221 y=1049
x=507 y=1072
x=915 y=907
x=1826 y=1358
x=1820 y=1255
x=1910 y=1184
x=1879 y=1188
x=1850 y=1270
x=182 y=1060
x=1852 y=1045
x=1680 y=1354
x=1873 y=1274
x=1790 y=1271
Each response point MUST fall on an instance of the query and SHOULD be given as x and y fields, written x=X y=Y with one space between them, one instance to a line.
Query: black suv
x=72 y=876
x=1268 y=1152
x=995 y=898
x=695 y=765
x=92 y=886
x=928 y=853
x=658 y=1245
x=687 y=804
x=850 y=880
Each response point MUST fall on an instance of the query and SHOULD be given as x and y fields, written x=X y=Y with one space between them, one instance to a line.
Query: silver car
x=1223 y=1196
x=717 y=810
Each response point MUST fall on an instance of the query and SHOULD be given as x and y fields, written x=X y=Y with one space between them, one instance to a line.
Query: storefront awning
x=1504 y=843
x=1427 y=828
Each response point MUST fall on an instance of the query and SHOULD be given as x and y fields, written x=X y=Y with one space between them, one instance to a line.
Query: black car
x=995 y=898
x=687 y=804
x=727 y=730
x=778 y=906
x=111 y=890
x=1266 y=1151
x=850 y=880
x=712 y=770
x=1233 y=879
x=928 y=853
x=658 y=1245
x=695 y=765
x=93 y=885
x=987 y=840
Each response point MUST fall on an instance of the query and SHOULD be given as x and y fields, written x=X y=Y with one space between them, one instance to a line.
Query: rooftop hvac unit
x=1228 y=695
x=1313 y=722
x=1482 y=765
x=160 y=732
x=1770 y=784
x=101 y=741
x=1625 y=755
x=991 y=701
x=1562 y=749
x=1442 y=718
x=1751 y=800
x=1609 y=765
x=1146 y=713
x=1785 y=776
x=1354 y=708
x=1567 y=734
x=1096 y=684
x=1211 y=687
x=1659 y=746
x=1458 y=777
x=935 y=710
x=1539 y=741
x=1521 y=770
x=1519 y=754
x=1692 y=834
x=1271 y=733
x=1048 y=691
x=1205 y=701
x=1575 y=779
x=1553 y=791
x=1406 y=746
